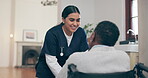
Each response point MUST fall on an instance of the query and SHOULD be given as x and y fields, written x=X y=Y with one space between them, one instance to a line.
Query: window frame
x=128 y=20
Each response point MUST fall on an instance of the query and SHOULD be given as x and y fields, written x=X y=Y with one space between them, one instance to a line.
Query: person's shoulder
x=80 y=31
x=54 y=29
x=121 y=53
x=77 y=54
x=73 y=58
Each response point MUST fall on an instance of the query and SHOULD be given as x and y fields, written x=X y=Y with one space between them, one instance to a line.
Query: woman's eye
x=71 y=19
x=78 y=20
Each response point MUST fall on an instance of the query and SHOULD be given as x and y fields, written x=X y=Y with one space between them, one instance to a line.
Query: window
x=131 y=19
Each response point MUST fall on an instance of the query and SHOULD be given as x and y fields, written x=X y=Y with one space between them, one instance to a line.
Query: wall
x=143 y=26
x=113 y=10
x=17 y=15
x=32 y=15
x=94 y=11
x=5 y=15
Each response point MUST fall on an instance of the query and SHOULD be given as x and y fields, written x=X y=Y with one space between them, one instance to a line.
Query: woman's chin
x=73 y=31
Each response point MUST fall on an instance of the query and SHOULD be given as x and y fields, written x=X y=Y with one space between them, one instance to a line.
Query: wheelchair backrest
x=74 y=73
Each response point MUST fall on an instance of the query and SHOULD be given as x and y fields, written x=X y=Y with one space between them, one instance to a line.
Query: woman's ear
x=63 y=20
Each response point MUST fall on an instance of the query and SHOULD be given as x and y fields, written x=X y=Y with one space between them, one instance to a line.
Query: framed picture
x=29 y=35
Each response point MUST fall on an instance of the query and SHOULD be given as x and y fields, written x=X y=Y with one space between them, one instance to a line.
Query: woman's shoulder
x=81 y=29
x=80 y=32
x=55 y=29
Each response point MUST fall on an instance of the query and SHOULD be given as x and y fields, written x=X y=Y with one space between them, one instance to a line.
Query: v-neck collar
x=63 y=41
x=68 y=38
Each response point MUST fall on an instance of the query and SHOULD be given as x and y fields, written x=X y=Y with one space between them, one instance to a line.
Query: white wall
x=143 y=30
x=32 y=15
x=17 y=15
x=5 y=15
x=112 y=10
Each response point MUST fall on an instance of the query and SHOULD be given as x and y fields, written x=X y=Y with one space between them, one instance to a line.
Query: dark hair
x=69 y=9
x=107 y=32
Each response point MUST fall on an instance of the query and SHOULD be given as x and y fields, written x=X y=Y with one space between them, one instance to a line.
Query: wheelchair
x=137 y=72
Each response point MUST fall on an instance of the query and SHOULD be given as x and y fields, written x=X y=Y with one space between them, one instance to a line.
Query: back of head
x=68 y=10
x=107 y=33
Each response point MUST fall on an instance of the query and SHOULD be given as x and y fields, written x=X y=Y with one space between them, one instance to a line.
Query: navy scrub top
x=54 y=41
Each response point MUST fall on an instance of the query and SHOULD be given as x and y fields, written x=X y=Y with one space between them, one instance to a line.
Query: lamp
x=49 y=3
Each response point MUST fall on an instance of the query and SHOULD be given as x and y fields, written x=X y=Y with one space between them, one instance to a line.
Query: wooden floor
x=17 y=73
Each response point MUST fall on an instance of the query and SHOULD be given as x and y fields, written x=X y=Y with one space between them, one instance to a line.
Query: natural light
x=135 y=16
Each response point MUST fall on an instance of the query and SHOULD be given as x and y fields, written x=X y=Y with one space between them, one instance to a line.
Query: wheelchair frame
x=137 y=72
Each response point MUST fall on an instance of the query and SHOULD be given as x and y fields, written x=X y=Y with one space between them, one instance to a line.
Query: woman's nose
x=75 y=23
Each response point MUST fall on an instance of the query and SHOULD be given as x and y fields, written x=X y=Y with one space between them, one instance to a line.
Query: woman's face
x=71 y=23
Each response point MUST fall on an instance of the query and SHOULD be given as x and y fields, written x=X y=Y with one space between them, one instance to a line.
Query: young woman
x=60 y=42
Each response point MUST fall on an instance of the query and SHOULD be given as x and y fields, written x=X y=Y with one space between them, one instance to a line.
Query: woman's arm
x=53 y=64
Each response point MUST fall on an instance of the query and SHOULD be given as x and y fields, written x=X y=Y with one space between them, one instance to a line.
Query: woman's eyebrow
x=75 y=19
